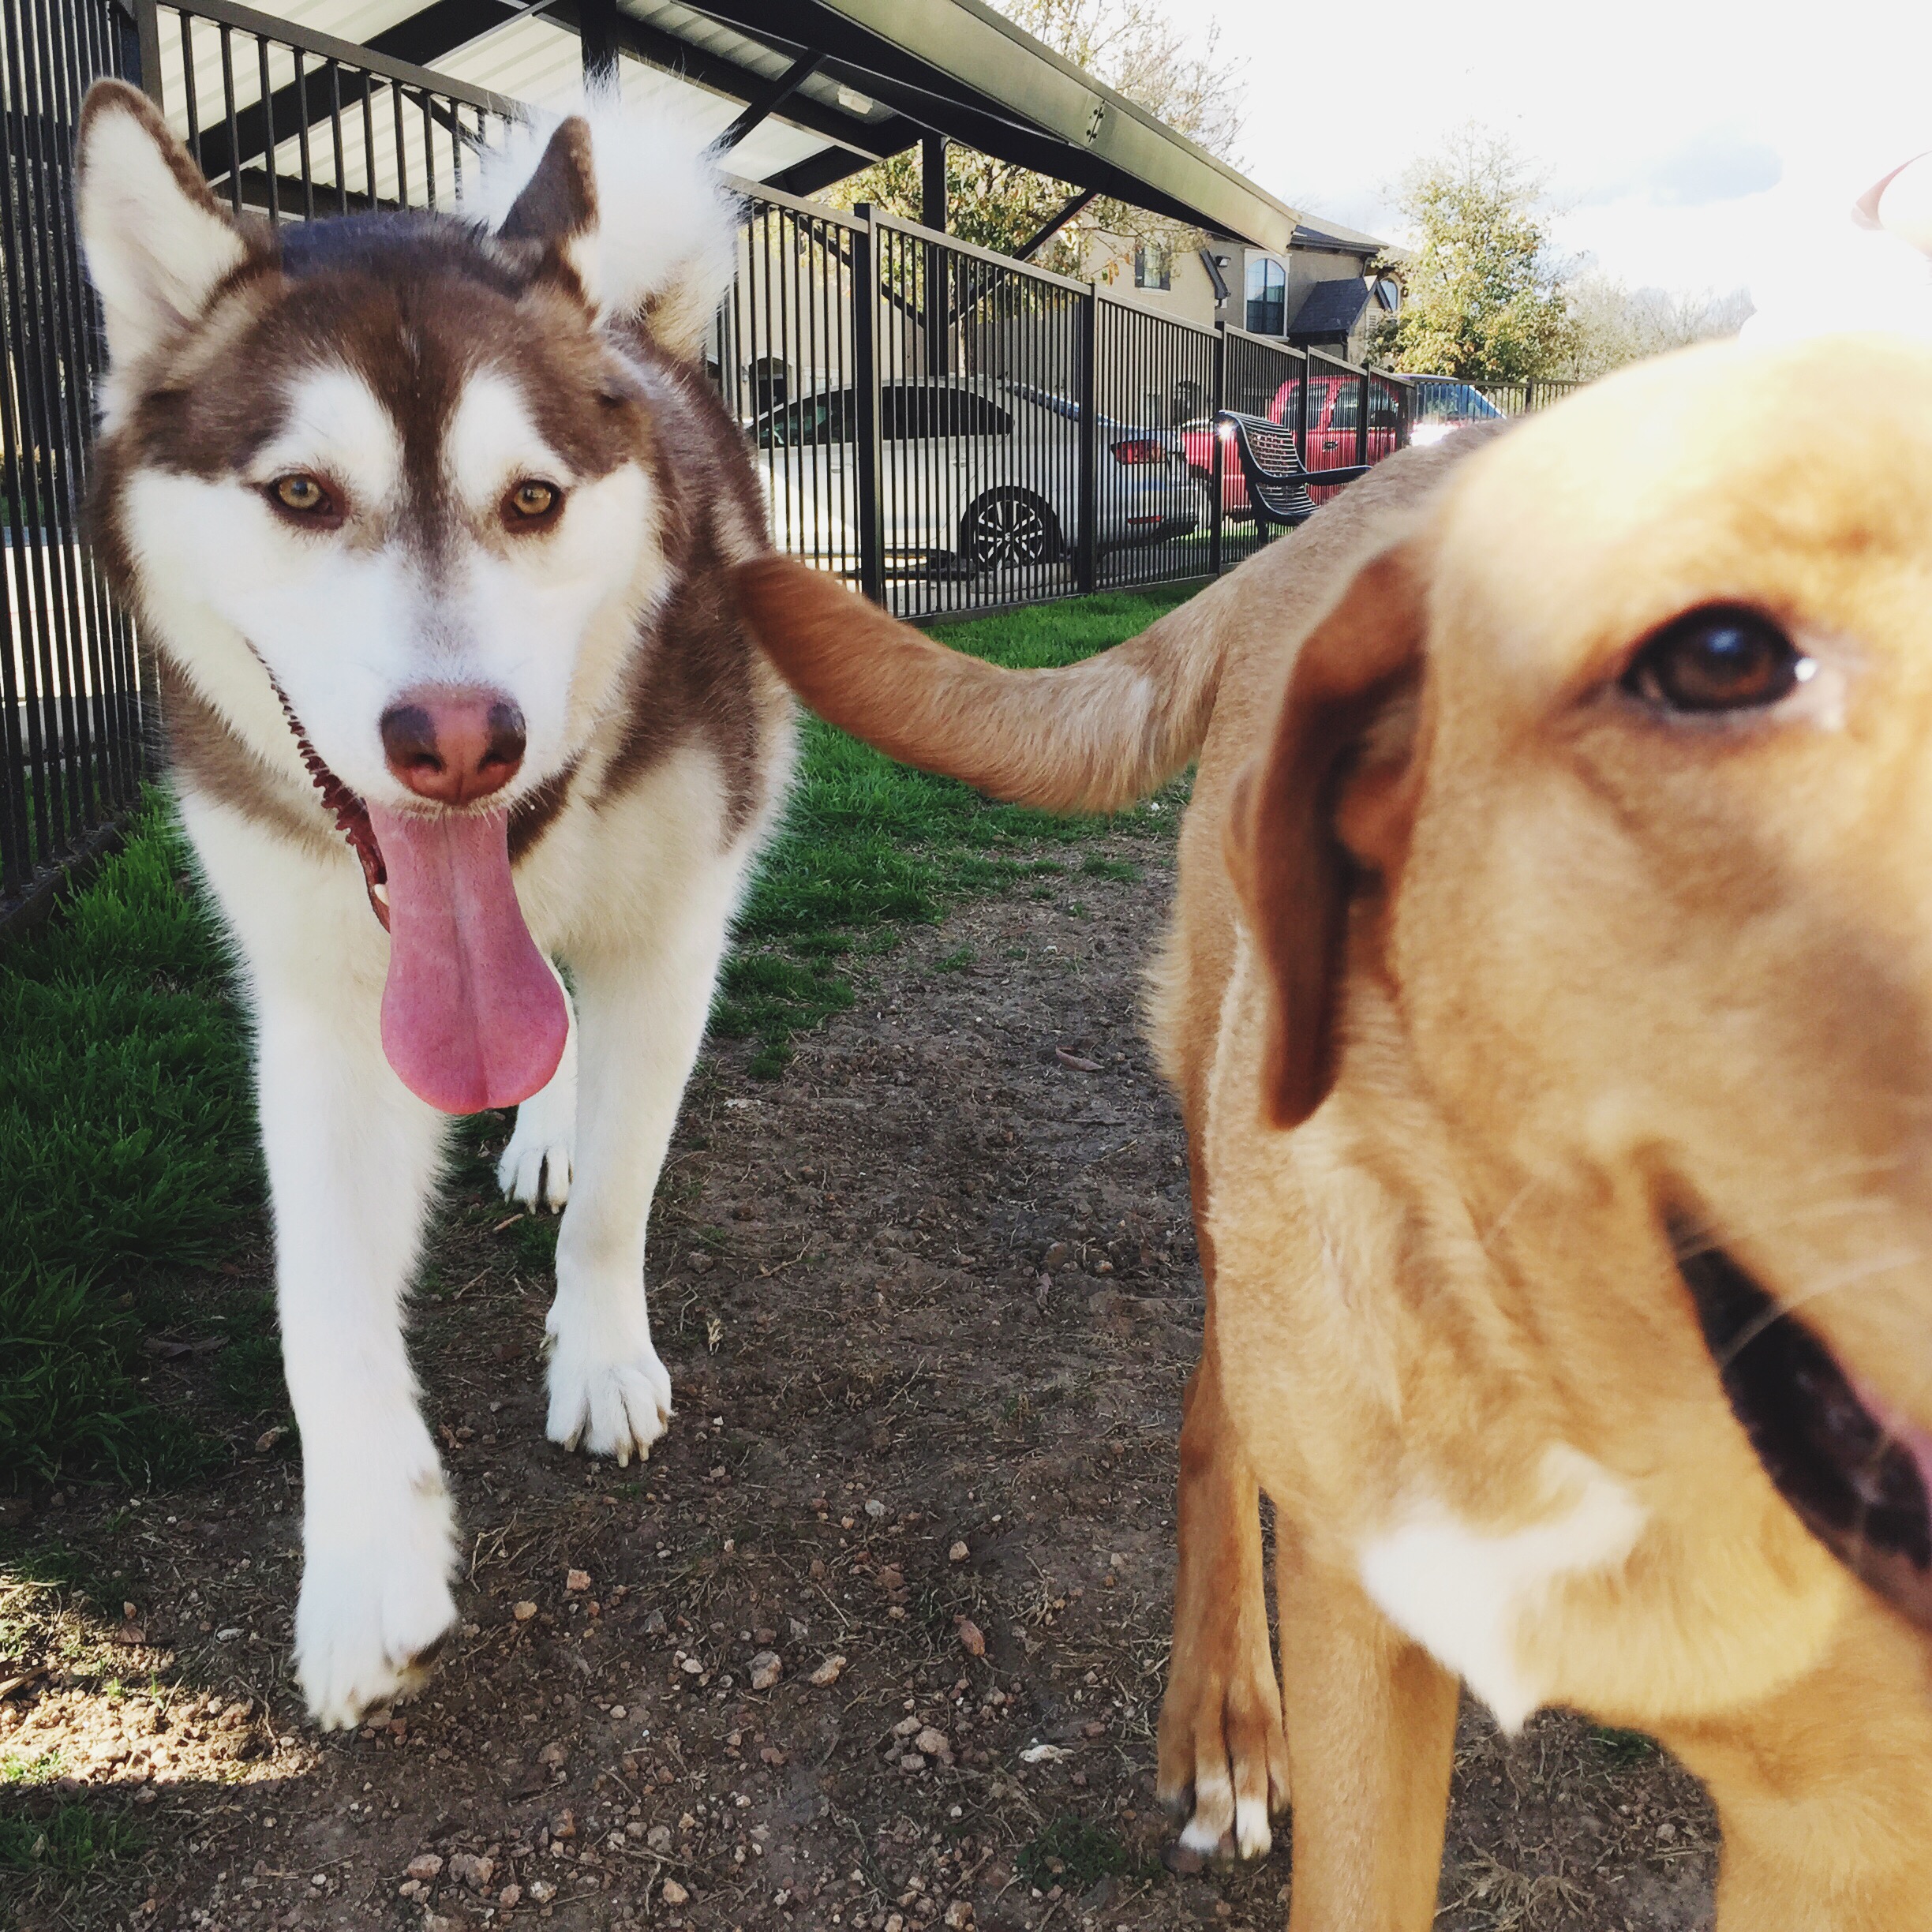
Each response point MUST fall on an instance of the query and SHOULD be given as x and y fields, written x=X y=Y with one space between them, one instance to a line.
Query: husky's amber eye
x=532 y=502
x=1718 y=659
x=303 y=494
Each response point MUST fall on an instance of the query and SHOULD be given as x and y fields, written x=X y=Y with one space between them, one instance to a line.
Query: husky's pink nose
x=453 y=743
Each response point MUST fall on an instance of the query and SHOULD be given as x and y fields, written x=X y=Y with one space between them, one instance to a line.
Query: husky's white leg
x=352 y=1156
x=643 y=1018
x=536 y=1166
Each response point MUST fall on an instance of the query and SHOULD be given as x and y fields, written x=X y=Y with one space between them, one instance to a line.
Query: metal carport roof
x=820 y=88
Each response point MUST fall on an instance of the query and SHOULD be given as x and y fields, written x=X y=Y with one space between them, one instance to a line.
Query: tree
x=1485 y=298
x=1132 y=46
x=1614 y=324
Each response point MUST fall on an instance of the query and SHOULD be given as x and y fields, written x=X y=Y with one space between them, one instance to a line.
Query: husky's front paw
x=535 y=1169
x=375 y=1608
x=609 y=1395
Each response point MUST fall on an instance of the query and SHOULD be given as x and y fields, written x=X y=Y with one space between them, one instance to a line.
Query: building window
x=1388 y=294
x=1268 y=298
x=1153 y=266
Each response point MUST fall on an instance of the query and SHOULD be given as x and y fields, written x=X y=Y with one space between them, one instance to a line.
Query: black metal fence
x=1445 y=400
x=294 y=123
x=950 y=430
x=284 y=123
x=954 y=431
x=70 y=726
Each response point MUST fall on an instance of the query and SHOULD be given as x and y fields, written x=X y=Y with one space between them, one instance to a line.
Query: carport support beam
x=933 y=182
x=597 y=33
x=937 y=322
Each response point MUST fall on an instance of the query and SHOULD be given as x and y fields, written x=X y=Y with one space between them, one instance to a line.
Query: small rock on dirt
x=958 y=1553
x=972 y=1639
x=424 y=1867
x=829 y=1672
x=466 y=1868
x=766 y=1668
x=576 y=1580
x=672 y=1893
x=523 y=1611
x=934 y=1742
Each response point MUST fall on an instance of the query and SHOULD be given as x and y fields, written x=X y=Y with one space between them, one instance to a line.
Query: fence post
x=1214 y=449
x=1529 y=394
x=1362 y=420
x=865 y=399
x=146 y=36
x=1086 y=556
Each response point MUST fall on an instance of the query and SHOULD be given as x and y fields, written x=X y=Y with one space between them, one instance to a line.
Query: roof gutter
x=965 y=44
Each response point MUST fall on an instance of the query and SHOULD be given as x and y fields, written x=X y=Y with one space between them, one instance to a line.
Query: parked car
x=1443 y=404
x=1333 y=405
x=977 y=474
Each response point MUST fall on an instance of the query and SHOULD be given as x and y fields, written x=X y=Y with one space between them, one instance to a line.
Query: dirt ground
x=877 y=1637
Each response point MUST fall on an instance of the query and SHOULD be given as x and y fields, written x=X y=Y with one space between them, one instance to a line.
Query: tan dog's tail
x=1091 y=736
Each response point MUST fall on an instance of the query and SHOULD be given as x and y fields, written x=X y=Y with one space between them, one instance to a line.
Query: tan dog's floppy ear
x=1319 y=808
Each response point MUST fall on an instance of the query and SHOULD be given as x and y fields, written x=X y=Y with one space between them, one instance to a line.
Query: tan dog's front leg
x=1825 y=1789
x=1221 y=1722
x=1371 y=1741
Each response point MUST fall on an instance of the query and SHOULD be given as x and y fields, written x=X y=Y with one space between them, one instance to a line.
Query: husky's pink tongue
x=472 y=1017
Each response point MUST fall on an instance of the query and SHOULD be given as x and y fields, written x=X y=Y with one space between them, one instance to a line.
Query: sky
x=1691 y=144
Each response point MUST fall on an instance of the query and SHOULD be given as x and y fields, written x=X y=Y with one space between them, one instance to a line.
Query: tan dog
x=1550 y=994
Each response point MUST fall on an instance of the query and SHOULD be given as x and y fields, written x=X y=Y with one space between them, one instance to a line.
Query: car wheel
x=1007 y=528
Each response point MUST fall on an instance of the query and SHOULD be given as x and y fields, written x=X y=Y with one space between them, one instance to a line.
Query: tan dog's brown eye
x=1720 y=659
x=532 y=502
x=302 y=494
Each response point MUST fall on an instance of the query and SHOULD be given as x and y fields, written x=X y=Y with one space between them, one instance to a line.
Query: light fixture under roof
x=853 y=102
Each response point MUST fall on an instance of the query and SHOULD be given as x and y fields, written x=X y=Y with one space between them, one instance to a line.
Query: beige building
x=1325 y=290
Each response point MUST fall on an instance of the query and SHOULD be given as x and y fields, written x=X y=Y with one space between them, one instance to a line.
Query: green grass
x=69 y=1843
x=1070 y=1851
x=869 y=846
x=126 y=1138
x=126 y=1130
x=1623 y=1748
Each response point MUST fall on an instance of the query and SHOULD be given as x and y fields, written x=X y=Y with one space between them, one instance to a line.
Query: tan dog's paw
x=1223 y=1751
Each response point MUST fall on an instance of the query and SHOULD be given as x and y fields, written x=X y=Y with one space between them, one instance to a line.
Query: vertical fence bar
x=228 y=100
x=865 y=242
x=1086 y=482
x=336 y=137
x=1217 y=457
x=273 y=188
x=147 y=40
x=188 y=91
x=301 y=134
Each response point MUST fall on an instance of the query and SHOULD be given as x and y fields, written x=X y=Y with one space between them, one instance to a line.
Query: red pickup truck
x=1333 y=404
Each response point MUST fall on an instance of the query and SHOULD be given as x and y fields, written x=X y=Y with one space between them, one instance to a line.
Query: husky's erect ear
x=158 y=243
x=632 y=200
x=557 y=206
x=1326 y=808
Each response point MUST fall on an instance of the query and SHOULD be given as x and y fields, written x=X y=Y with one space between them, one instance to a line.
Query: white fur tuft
x=666 y=242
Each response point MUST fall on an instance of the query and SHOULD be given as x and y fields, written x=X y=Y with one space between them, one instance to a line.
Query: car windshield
x=907 y=411
x=1444 y=401
x=810 y=421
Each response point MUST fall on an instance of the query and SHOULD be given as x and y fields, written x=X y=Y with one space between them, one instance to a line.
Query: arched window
x=1268 y=298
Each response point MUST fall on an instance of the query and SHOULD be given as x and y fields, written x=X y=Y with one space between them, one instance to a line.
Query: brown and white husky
x=428 y=523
